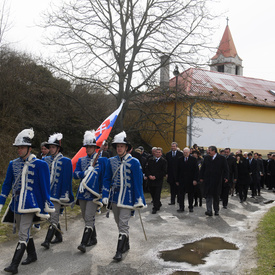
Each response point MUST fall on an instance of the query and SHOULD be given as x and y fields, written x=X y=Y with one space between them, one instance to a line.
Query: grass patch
x=266 y=245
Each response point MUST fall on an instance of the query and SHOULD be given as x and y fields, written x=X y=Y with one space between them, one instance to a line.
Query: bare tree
x=4 y=19
x=118 y=43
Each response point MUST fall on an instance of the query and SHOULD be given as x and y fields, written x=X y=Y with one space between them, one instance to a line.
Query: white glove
x=1 y=206
x=105 y=201
x=81 y=188
x=90 y=168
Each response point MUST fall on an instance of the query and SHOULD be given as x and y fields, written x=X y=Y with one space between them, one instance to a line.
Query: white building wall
x=233 y=134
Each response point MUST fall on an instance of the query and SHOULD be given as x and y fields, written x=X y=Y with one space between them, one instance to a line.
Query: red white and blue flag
x=102 y=133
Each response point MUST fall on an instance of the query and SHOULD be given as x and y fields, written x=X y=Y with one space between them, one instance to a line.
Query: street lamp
x=176 y=74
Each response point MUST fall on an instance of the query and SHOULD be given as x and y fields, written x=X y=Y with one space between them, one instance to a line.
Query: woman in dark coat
x=243 y=176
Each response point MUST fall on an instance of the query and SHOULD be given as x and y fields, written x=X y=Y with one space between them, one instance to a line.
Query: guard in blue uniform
x=29 y=180
x=91 y=173
x=61 y=174
x=122 y=189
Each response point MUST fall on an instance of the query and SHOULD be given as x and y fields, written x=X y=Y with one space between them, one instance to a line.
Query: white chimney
x=164 y=72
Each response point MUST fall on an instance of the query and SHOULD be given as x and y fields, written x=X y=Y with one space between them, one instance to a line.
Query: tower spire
x=226 y=58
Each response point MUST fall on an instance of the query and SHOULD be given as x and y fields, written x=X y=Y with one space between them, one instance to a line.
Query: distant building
x=246 y=106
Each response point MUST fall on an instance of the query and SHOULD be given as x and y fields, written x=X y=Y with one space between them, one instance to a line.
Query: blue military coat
x=61 y=174
x=123 y=182
x=30 y=184
x=90 y=187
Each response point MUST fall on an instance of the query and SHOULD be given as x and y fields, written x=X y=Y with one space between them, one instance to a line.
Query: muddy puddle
x=185 y=273
x=194 y=253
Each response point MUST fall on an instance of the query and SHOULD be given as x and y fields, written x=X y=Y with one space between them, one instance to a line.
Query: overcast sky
x=251 y=25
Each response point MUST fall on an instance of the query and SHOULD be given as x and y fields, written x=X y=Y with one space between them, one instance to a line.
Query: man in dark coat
x=187 y=178
x=233 y=175
x=271 y=172
x=155 y=171
x=213 y=171
x=172 y=158
x=267 y=175
x=255 y=173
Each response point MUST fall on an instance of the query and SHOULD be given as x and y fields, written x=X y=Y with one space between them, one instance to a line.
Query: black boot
x=31 y=257
x=126 y=246
x=49 y=237
x=120 y=246
x=18 y=254
x=85 y=238
x=58 y=236
x=92 y=240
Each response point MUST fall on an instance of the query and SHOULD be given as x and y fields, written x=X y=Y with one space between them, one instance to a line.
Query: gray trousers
x=23 y=224
x=55 y=215
x=122 y=217
x=212 y=200
x=88 y=211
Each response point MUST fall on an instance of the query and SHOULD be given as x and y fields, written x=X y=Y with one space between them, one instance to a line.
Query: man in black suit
x=155 y=171
x=172 y=158
x=255 y=174
x=213 y=171
x=233 y=175
x=187 y=178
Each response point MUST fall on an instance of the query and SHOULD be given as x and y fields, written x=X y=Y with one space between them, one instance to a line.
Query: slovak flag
x=101 y=133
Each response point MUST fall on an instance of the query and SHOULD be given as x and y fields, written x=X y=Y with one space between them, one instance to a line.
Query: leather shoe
x=180 y=210
x=171 y=203
x=208 y=213
x=30 y=259
x=225 y=207
x=191 y=210
x=216 y=213
x=154 y=211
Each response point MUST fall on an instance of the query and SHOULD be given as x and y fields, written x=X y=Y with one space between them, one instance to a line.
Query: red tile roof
x=227 y=47
x=224 y=87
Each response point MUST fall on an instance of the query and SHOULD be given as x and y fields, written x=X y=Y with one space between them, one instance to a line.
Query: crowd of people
x=42 y=186
x=208 y=174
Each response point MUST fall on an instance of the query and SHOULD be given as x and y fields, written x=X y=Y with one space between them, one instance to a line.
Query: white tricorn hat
x=24 y=138
x=89 y=139
x=122 y=139
x=55 y=139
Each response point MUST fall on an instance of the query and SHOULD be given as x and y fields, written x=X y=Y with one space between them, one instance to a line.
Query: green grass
x=6 y=230
x=266 y=245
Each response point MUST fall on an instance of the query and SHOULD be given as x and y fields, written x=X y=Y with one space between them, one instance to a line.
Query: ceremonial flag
x=101 y=133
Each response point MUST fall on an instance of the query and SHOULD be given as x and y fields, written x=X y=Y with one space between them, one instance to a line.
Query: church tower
x=226 y=59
